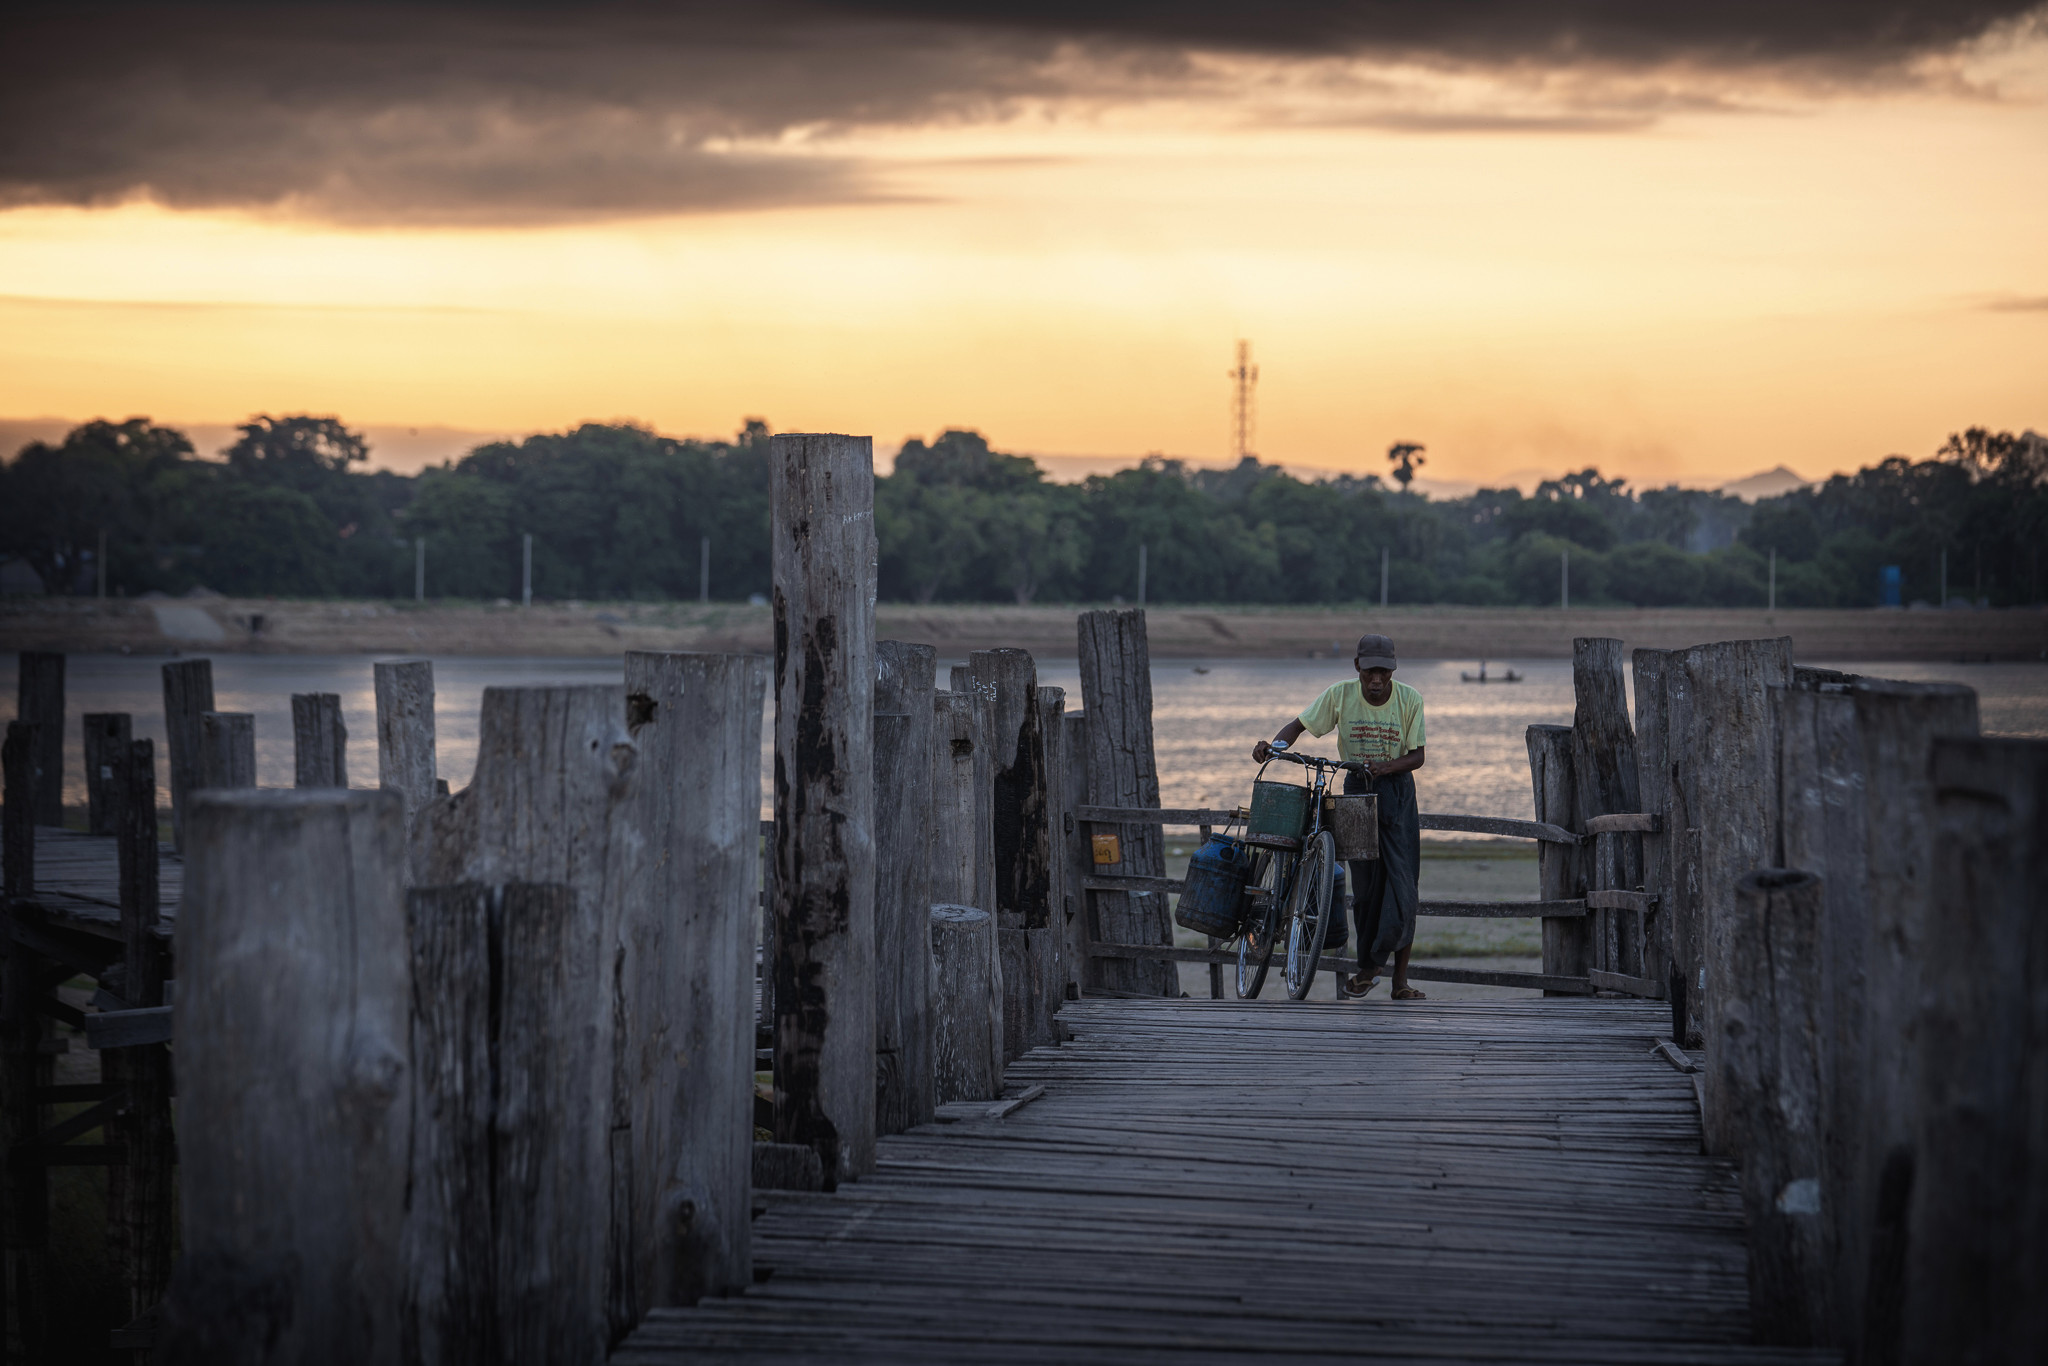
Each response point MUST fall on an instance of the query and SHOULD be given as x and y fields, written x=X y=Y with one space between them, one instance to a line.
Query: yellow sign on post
x=1108 y=849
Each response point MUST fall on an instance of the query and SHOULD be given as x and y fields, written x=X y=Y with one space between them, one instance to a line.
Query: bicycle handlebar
x=1315 y=761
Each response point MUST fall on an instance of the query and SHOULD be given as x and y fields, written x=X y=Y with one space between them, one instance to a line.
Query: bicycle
x=1292 y=880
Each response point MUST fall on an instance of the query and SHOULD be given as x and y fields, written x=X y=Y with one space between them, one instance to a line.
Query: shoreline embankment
x=276 y=626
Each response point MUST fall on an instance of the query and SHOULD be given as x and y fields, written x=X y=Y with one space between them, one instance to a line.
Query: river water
x=1206 y=716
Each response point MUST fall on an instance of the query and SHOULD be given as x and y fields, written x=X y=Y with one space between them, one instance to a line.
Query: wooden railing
x=1598 y=829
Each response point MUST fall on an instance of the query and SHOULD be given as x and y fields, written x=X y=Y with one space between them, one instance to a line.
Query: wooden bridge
x=472 y=1077
x=1451 y=1182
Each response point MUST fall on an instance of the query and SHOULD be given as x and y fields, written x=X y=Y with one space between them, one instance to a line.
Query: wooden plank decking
x=78 y=881
x=1468 y=1182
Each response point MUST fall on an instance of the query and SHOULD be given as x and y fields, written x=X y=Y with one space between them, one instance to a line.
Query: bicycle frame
x=1285 y=866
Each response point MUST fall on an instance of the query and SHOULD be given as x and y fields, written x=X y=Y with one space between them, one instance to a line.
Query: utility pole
x=101 y=563
x=704 y=570
x=419 y=569
x=1564 y=580
x=1245 y=377
x=1141 y=573
x=1774 y=581
x=1944 y=578
x=526 y=573
x=1384 y=552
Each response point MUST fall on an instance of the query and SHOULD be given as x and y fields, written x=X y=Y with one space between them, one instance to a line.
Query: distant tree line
x=618 y=512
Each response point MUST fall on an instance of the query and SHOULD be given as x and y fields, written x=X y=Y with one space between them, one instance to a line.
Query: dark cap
x=1375 y=652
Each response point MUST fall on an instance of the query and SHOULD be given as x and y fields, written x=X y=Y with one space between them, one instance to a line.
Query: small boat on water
x=1481 y=677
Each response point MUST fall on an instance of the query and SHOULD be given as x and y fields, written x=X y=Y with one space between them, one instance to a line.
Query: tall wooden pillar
x=1559 y=872
x=293 y=1083
x=689 y=1041
x=904 y=679
x=1605 y=781
x=822 y=495
x=107 y=736
x=142 y=1213
x=1116 y=687
x=40 y=702
x=1978 y=1256
x=188 y=695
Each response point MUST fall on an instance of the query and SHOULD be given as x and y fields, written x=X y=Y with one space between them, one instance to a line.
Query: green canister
x=1279 y=816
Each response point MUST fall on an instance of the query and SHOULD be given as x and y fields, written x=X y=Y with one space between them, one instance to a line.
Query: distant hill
x=1765 y=484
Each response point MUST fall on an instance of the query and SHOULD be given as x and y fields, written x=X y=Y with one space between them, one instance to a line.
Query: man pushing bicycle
x=1378 y=723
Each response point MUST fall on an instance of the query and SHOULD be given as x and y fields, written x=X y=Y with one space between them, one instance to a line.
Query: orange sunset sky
x=1680 y=256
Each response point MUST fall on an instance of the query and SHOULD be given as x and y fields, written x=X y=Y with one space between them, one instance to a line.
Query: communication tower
x=1245 y=379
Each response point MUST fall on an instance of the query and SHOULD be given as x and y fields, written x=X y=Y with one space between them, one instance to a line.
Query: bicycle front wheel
x=1255 y=946
x=1308 y=913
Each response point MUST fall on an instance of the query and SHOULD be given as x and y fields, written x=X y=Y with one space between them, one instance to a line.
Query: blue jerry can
x=1215 y=886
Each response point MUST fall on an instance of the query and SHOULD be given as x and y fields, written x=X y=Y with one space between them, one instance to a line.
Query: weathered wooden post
x=319 y=741
x=1654 y=790
x=966 y=1040
x=188 y=695
x=689 y=935
x=553 y=803
x=978 y=885
x=140 y=1201
x=1024 y=842
x=1900 y=723
x=1079 y=927
x=25 y=1063
x=1567 y=948
x=405 y=731
x=1855 y=807
x=904 y=726
x=822 y=496
x=962 y=826
x=1605 y=781
x=1048 y=938
x=1116 y=688
x=1978 y=1255
x=1768 y=1064
x=1720 y=812
x=227 y=749
x=17 y=808
x=40 y=702
x=292 y=1080
x=107 y=736
x=1732 y=754
x=502 y=1059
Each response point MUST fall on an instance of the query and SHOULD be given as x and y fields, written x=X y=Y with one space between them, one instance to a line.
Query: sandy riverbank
x=164 y=626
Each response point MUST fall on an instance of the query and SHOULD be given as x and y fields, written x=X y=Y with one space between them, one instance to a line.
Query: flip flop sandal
x=1409 y=994
x=1349 y=989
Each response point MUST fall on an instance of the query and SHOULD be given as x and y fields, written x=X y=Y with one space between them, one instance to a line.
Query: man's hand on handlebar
x=1265 y=751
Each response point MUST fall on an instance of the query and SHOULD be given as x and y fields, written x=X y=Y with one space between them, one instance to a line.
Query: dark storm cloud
x=1737 y=31
x=523 y=112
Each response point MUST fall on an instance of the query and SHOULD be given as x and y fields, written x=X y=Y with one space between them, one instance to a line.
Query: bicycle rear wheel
x=1255 y=946
x=1308 y=913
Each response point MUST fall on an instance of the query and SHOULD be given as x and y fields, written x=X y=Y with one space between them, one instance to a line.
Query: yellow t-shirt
x=1374 y=734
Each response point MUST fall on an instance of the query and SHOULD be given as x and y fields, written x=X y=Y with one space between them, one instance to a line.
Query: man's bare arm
x=1287 y=735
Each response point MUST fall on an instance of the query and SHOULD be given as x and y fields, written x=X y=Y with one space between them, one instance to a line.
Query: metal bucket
x=1354 y=822
x=1279 y=816
x=1213 y=895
